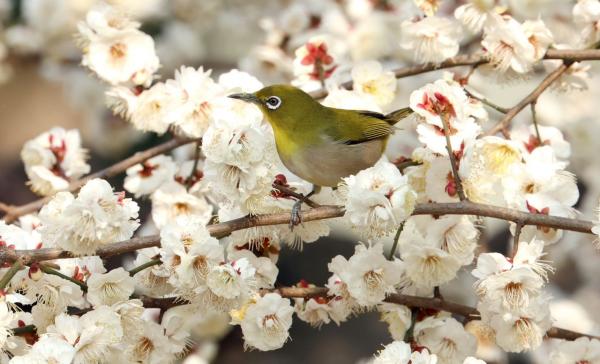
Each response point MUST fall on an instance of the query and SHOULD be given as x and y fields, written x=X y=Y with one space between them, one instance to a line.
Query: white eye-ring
x=273 y=102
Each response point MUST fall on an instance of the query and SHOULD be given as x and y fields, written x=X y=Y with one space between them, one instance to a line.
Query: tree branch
x=319 y=213
x=14 y=212
x=453 y=164
x=503 y=124
x=486 y=102
x=401 y=299
x=567 y=55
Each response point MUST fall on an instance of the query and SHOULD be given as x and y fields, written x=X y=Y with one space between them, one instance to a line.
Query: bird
x=321 y=144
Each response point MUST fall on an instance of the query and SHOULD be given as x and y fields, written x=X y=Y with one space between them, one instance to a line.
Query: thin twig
x=6 y=278
x=405 y=164
x=319 y=213
x=453 y=164
x=502 y=125
x=141 y=267
x=535 y=123
x=190 y=178
x=288 y=191
x=515 y=246
x=46 y=269
x=487 y=102
x=395 y=244
x=14 y=212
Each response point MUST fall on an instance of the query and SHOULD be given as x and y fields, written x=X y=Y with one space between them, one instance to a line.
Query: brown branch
x=319 y=213
x=567 y=55
x=190 y=178
x=453 y=164
x=291 y=192
x=516 y=238
x=486 y=102
x=14 y=212
x=503 y=124
x=535 y=122
x=401 y=299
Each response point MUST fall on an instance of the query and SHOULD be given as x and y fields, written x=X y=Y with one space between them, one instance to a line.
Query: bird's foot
x=295 y=218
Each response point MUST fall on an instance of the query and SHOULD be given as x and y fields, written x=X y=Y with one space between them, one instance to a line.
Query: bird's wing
x=355 y=127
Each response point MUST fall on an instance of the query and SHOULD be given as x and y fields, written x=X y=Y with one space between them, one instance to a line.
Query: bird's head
x=283 y=106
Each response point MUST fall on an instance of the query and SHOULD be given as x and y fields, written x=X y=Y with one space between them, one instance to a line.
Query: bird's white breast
x=327 y=164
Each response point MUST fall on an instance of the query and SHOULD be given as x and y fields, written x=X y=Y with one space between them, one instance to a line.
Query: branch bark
x=503 y=124
x=567 y=55
x=14 y=212
x=323 y=212
x=401 y=299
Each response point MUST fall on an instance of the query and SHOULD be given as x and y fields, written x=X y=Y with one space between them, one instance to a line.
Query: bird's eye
x=273 y=102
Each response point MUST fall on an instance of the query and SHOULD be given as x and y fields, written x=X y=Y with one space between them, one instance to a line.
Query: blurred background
x=43 y=85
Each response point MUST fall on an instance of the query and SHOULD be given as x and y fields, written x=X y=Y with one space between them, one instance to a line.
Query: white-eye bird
x=322 y=144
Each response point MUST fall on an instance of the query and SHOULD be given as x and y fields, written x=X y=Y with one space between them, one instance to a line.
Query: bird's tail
x=395 y=116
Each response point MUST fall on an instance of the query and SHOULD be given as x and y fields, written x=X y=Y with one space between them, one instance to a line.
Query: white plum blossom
x=475 y=14
x=378 y=199
x=48 y=349
x=446 y=338
x=581 y=350
x=81 y=224
x=116 y=50
x=152 y=108
x=442 y=100
x=429 y=7
x=231 y=280
x=314 y=62
x=398 y=318
x=371 y=80
x=172 y=200
x=433 y=250
x=528 y=141
x=508 y=46
x=153 y=346
x=266 y=323
x=197 y=93
x=511 y=298
x=428 y=266
x=110 y=288
x=54 y=293
x=239 y=155
x=539 y=36
x=15 y=237
x=369 y=277
x=484 y=164
x=6 y=318
x=189 y=253
x=520 y=330
x=314 y=310
x=350 y=100
x=54 y=158
x=91 y=335
x=265 y=270
x=396 y=352
x=147 y=177
x=431 y=39
x=586 y=15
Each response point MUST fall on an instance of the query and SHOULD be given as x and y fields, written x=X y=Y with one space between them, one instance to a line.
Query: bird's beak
x=246 y=97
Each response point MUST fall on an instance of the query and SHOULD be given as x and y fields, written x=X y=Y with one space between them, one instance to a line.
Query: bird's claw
x=296 y=219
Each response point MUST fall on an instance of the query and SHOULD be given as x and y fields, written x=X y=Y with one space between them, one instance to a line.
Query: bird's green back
x=302 y=122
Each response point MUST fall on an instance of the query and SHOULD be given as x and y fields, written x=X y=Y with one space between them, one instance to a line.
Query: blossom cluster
x=204 y=282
